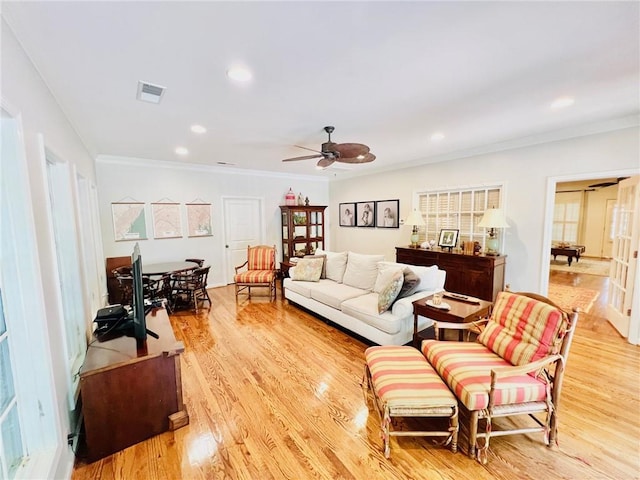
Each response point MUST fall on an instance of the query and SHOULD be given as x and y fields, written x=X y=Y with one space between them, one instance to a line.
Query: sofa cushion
x=336 y=264
x=304 y=288
x=333 y=294
x=365 y=309
x=388 y=294
x=307 y=270
x=324 y=263
x=522 y=330
x=466 y=369
x=362 y=270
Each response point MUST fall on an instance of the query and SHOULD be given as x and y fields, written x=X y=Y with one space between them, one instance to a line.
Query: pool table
x=570 y=252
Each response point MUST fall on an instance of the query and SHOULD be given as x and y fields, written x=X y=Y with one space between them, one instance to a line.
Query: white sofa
x=349 y=291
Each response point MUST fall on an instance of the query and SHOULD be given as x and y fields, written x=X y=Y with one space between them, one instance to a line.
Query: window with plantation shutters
x=566 y=217
x=460 y=209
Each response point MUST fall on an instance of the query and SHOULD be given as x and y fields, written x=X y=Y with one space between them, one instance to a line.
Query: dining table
x=162 y=268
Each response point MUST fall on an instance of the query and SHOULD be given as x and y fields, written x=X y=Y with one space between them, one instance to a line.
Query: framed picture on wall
x=387 y=213
x=347 y=214
x=365 y=214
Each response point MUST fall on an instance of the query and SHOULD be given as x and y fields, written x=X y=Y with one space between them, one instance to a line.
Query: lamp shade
x=493 y=218
x=414 y=218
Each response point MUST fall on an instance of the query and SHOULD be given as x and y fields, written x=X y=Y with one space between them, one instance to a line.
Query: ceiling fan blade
x=325 y=162
x=307 y=148
x=366 y=158
x=351 y=150
x=305 y=157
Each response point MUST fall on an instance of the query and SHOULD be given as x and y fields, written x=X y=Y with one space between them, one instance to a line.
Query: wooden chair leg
x=473 y=432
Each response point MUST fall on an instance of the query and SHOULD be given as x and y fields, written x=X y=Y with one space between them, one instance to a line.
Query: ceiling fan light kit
x=337 y=152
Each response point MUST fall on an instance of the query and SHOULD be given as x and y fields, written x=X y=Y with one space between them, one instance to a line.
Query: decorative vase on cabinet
x=302 y=230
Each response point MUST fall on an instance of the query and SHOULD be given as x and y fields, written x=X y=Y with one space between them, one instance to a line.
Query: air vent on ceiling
x=148 y=92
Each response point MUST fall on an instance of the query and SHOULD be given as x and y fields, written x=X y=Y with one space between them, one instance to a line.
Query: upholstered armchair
x=260 y=271
x=515 y=367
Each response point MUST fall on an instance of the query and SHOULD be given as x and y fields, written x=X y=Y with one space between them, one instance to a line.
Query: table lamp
x=414 y=219
x=493 y=219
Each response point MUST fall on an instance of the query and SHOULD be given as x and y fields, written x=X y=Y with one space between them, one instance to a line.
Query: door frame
x=548 y=216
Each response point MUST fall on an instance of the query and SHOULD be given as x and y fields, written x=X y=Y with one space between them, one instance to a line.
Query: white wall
x=26 y=96
x=524 y=171
x=120 y=178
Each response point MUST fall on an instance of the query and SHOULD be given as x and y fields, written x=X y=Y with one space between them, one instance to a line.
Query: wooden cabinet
x=302 y=230
x=131 y=394
x=481 y=276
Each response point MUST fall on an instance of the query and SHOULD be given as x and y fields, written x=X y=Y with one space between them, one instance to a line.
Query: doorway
x=597 y=193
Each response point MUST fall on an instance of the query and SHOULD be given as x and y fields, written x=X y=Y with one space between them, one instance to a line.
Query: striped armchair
x=260 y=271
x=515 y=368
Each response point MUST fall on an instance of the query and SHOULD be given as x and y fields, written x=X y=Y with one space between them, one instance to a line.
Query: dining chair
x=125 y=284
x=190 y=288
x=158 y=288
x=199 y=261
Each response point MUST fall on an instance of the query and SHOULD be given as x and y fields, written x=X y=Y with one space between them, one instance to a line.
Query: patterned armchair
x=260 y=271
x=516 y=367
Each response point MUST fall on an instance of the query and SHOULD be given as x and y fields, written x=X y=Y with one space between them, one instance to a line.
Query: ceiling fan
x=607 y=184
x=337 y=152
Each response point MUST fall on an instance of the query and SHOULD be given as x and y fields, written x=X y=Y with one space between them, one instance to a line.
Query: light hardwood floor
x=274 y=393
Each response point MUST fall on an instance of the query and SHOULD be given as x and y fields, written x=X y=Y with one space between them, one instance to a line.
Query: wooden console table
x=480 y=276
x=129 y=395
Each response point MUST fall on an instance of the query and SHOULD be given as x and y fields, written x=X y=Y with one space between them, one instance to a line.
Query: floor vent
x=148 y=92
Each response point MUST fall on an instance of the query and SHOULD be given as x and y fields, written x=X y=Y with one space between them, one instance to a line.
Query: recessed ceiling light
x=239 y=74
x=562 y=102
x=436 y=137
x=198 y=129
x=182 y=151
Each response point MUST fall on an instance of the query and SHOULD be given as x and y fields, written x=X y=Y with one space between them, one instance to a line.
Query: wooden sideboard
x=130 y=394
x=481 y=276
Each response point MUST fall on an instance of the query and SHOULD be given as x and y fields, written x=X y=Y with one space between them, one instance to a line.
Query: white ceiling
x=387 y=74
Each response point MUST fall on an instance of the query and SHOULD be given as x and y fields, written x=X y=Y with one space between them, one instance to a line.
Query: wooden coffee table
x=459 y=317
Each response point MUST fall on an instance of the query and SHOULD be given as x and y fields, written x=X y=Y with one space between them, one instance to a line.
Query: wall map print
x=128 y=221
x=199 y=219
x=166 y=220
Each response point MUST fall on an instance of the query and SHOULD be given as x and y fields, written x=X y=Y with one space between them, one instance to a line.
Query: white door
x=243 y=226
x=624 y=262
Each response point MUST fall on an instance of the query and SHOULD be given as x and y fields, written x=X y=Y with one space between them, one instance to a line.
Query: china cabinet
x=302 y=230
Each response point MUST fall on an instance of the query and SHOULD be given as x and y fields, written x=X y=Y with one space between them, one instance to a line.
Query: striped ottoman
x=406 y=385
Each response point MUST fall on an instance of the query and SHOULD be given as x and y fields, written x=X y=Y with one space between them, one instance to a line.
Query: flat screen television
x=138 y=313
x=114 y=321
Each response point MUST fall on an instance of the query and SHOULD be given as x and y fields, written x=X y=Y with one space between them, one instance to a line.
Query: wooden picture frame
x=448 y=238
x=347 y=214
x=387 y=213
x=366 y=214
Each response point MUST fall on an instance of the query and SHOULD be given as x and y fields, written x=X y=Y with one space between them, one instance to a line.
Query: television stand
x=131 y=394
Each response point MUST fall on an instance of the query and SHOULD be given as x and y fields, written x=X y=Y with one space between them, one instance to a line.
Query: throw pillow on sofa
x=385 y=273
x=324 y=263
x=307 y=270
x=410 y=283
x=336 y=264
x=389 y=293
x=362 y=270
